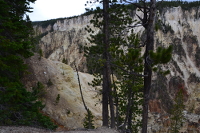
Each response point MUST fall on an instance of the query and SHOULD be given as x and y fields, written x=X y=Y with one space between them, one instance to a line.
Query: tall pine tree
x=118 y=29
x=17 y=105
x=151 y=58
x=116 y=52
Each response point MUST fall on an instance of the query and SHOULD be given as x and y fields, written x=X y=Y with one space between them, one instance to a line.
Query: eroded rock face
x=180 y=28
x=154 y=106
x=184 y=66
x=64 y=40
x=68 y=110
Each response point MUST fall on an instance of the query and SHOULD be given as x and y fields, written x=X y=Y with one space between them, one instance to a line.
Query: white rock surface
x=69 y=110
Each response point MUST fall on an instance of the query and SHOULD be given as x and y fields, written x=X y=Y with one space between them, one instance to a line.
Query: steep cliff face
x=65 y=39
x=179 y=28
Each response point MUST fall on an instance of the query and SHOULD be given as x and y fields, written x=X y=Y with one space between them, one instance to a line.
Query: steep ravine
x=65 y=39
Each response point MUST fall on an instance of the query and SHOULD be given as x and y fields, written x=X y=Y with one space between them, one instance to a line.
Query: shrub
x=88 y=121
x=49 y=83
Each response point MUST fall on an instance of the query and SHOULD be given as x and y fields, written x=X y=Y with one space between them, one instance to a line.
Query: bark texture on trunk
x=149 y=27
x=106 y=96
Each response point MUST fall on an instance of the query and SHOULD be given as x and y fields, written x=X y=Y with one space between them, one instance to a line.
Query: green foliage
x=68 y=112
x=49 y=83
x=159 y=25
x=177 y=116
x=65 y=61
x=129 y=105
x=162 y=55
x=129 y=88
x=186 y=5
x=125 y=60
x=96 y=81
x=40 y=54
x=88 y=121
x=17 y=105
x=39 y=90
x=57 y=98
x=37 y=38
x=46 y=23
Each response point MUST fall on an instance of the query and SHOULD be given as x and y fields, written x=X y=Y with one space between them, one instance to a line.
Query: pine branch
x=132 y=72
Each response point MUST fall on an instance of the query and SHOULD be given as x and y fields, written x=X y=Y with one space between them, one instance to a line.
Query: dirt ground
x=23 y=129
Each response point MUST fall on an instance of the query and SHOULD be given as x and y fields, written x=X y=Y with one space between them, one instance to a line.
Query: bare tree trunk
x=112 y=112
x=130 y=119
x=128 y=107
x=110 y=95
x=116 y=102
x=86 y=108
x=106 y=85
x=147 y=66
x=106 y=96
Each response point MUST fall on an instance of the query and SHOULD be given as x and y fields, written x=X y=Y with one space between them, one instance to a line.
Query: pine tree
x=124 y=56
x=17 y=105
x=121 y=62
x=129 y=90
x=177 y=116
x=147 y=20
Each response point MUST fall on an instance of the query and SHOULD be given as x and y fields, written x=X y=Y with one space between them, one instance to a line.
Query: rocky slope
x=60 y=80
x=65 y=39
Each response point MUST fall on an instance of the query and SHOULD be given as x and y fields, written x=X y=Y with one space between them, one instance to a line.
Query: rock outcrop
x=60 y=80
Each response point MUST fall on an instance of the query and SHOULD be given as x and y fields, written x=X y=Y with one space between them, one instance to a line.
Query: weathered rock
x=68 y=110
x=65 y=40
x=154 y=106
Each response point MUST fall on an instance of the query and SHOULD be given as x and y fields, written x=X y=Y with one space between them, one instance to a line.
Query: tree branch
x=132 y=72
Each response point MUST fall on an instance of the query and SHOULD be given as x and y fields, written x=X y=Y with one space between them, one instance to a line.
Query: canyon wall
x=64 y=40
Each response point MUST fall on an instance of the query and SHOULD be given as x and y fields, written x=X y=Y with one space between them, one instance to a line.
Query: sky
x=51 y=9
